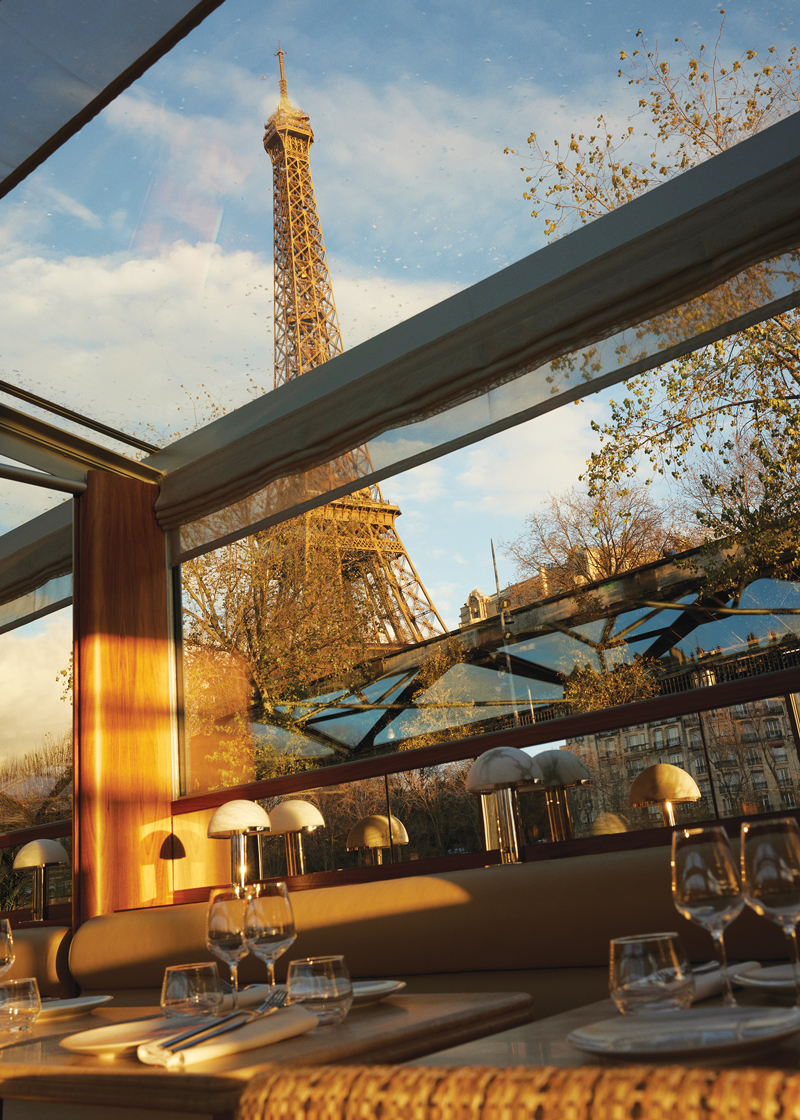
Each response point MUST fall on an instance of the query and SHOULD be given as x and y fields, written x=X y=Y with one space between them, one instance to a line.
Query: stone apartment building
x=748 y=753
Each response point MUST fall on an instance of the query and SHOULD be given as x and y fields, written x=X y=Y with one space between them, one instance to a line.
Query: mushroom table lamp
x=292 y=819
x=560 y=770
x=234 y=820
x=39 y=856
x=497 y=775
x=664 y=785
x=372 y=835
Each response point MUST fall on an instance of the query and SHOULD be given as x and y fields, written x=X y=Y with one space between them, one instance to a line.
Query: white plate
x=679 y=1034
x=366 y=992
x=774 y=978
x=70 y=1008
x=123 y=1038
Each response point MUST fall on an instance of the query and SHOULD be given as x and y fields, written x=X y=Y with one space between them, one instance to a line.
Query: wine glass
x=269 y=924
x=6 y=946
x=225 y=932
x=771 y=877
x=706 y=888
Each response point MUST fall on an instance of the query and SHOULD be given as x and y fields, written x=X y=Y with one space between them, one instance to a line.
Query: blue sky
x=137 y=261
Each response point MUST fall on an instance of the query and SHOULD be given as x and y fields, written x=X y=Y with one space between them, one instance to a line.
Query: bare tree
x=576 y=538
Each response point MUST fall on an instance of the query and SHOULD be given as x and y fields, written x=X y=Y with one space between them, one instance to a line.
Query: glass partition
x=744 y=760
x=301 y=648
x=326 y=848
x=36 y=726
x=16 y=887
x=438 y=815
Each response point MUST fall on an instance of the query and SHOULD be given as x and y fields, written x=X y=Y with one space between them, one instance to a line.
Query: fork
x=274 y=1001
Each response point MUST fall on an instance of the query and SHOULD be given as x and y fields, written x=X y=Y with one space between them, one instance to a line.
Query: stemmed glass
x=706 y=888
x=225 y=932
x=771 y=877
x=6 y=946
x=269 y=924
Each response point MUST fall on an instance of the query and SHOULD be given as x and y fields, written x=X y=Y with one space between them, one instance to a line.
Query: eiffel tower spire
x=375 y=566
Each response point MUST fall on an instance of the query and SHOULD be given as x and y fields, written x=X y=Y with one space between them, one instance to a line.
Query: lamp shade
x=562 y=768
x=502 y=768
x=40 y=853
x=373 y=832
x=660 y=783
x=295 y=816
x=236 y=816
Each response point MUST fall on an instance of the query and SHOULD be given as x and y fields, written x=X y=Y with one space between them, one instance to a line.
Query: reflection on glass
x=36 y=724
x=441 y=818
x=325 y=849
x=743 y=758
x=16 y=887
x=286 y=667
x=572 y=376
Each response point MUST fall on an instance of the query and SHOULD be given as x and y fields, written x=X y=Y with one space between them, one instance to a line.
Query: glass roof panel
x=488 y=694
x=558 y=652
x=283 y=741
x=147 y=236
x=351 y=729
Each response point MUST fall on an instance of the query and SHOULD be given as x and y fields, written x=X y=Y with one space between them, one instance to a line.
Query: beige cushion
x=43 y=953
x=554 y=914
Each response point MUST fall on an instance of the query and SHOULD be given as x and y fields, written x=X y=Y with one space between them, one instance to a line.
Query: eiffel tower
x=375 y=567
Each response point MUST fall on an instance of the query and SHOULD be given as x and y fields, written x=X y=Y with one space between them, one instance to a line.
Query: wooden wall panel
x=199 y=863
x=123 y=690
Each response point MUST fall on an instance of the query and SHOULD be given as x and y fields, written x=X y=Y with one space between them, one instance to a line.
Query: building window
x=748 y=733
x=773 y=729
x=634 y=742
x=788 y=800
x=741 y=710
x=699 y=766
x=658 y=739
x=765 y=805
x=759 y=782
x=782 y=774
x=673 y=736
x=754 y=757
x=677 y=760
x=779 y=753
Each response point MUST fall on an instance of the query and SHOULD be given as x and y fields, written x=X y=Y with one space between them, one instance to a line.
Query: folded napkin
x=708 y=982
x=276 y=1026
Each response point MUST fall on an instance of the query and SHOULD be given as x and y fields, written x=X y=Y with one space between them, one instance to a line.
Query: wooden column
x=123 y=695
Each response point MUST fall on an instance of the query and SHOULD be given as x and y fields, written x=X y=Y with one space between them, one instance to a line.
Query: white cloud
x=166 y=339
x=67 y=205
x=30 y=659
x=515 y=471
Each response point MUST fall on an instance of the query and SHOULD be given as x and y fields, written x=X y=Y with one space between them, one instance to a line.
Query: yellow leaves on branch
x=695 y=106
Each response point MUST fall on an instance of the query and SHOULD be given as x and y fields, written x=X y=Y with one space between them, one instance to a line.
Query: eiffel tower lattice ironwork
x=374 y=563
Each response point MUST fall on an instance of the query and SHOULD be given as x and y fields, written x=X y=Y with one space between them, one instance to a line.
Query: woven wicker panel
x=521 y=1093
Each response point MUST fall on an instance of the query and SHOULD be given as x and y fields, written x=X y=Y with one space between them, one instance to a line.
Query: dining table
x=40 y=1080
x=544 y=1042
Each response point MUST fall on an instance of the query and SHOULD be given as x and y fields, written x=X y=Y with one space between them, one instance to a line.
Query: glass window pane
x=440 y=817
x=325 y=849
x=36 y=725
x=754 y=757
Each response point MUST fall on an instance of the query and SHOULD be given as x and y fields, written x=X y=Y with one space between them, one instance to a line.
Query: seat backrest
x=558 y=913
x=43 y=952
